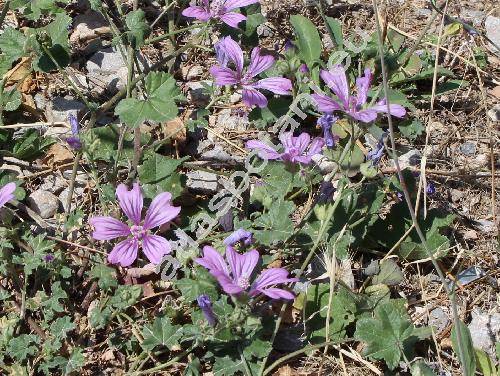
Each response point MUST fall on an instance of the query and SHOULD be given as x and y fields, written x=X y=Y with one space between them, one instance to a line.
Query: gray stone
x=53 y=183
x=44 y=203
x=109 y=67
x=411 y=158
x=372 y=268
x=494 y=113
x=264 y=30
x=202 y=181
x=63 y=196
x=492 y=26
x=197 y=93
x=220 y=155
x=485 y=331
x=60 y=108
x=324 y=164
x=227 y=119
x=192 y=72
x=88 y=26
x=474 y=16
x=468 y=148
x=439 y=319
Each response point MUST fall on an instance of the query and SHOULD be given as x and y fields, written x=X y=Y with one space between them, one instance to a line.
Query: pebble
x=192 y=72
x=492 y=26
x=44 y=203
x=324 y=164
x=468 y=148
x=197 y=93
x=494 y=113
x=411 y=158
x=438 y=318
x=202 y=181
x=53 y=183
x=60 y=108
x=474 y=16
x=485 y=331
x=63 y=196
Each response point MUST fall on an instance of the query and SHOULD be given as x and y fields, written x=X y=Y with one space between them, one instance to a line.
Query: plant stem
x=165 y=365
x=170 y=34
x=409 y=203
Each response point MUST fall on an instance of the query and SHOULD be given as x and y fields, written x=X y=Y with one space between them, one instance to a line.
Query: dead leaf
x=174 y=130
x=495 y=92
x=21 y=72
x=58 y=155
x=148 y=290
x=285 y=371
x=145 y=271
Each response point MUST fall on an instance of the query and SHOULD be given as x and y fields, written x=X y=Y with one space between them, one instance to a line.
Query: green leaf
x=390 y=274
x=137 y=26
x=106 y=276
x=421 y=369
x=411 y=129
x=159 y=105
x=53 y=305
x=335 y=29
x=308 y=39
x=465 y=343
x=75 y=362
x=193 y=368
x=11 y=99
x=126 y=296
x=389 y=334
x=368 y=170
x=275 y=225
x=12 y=44
x=228 y=366
x=484 y=363
x=21 y=346
x=61 y=326
x=161 y=333
x=192 y=288
x=257 y=349
x=157 y=167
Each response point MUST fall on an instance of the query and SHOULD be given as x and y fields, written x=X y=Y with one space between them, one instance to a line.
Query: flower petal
x=212 y=260
x=233 y=4
x=6 y=193
x=337 y=81
x=233 y=52
x=107 y=228
x=227 y=283
x=272 y=276
x=161 y=211
x=232 y=19
x=363 y=85
x=326 y=104
x=239 y=235
x=124 y=253
x=275 y=293
x=130 y=201
x=395 y=109
x=224 y=76
x=155 y=247
x=301 y=142
x=277 y=85
x=316 y=146
x=252 y=97
x=287 y=140
x=241 y=265
x=200 y=13
x=365 y=116
x=259 y=63
x=265 y=151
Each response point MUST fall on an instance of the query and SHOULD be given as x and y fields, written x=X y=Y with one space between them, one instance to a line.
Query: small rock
x=345 y=273
x=235 y=98
x=470 y=235
x=372 y=268
x=485 y=331
x=197 y=93
x=324 y=164
x=44 y=203
x=61 y=107
x=227 y=119
x=220 y=155
x=53 y=183
x=423 y=12
x=411 y=158
x=456 y=195
x=468 y=148
x=492 y=26
x=494 y=113
x=109 y=67
x=192 y=72
x=475 y=16
x=481 y=160
x=202 y=181
x=264 y=30
x=496 y=93
x=438 y=318
x=484 y=225
x=88 y=26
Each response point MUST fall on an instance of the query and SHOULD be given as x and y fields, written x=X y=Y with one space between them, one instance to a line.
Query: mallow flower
x=239 y=235
x=218 y=9
x=206 y=307
x=235 y=276
x=7 y=193
x=228 y=51
x=353 y=105
x=137 y=231
x=325 y=122
x=296 y=149
x=74 y=141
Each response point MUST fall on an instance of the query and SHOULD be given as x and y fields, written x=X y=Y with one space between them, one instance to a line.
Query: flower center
x=138 y=232
x=217 y=7
x=243 y=282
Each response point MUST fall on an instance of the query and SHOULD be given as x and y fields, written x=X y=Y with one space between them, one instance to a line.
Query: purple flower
x=376 y=153
x=138 y=232
x=239 y=235
x=218 y=9
x=6 y=193
x=430 y=189
x=296 y=149
x=352 y=105
x=326 y=192
x=74 y=141
x=325 y=122
x=303 y=68
x=206 y=307
x=236 y=278
x=228 y=51
x=49 y=257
